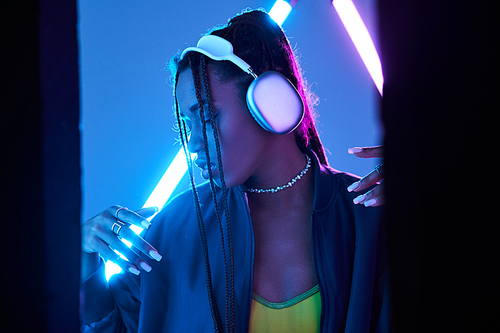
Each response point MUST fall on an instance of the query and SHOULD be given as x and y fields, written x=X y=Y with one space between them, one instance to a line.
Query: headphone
x=271 y=98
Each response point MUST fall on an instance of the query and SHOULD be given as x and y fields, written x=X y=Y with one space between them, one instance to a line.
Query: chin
x=218 y=182
x=229 y=182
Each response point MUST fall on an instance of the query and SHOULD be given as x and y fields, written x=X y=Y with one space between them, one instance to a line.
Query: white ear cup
x=275 y=103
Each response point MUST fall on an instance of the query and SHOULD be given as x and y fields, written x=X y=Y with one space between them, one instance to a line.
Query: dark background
x=438 y=108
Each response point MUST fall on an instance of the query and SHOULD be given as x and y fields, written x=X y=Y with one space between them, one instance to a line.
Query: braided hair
x=258 y=40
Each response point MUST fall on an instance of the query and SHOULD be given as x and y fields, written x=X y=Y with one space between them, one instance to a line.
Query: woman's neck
x=278 y=171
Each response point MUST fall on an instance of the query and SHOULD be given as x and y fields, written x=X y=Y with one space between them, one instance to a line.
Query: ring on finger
x=117 y=226
x=378 y=169
x=117 y=211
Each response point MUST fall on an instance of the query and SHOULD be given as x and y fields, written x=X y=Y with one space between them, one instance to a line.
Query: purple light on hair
x=361 y=38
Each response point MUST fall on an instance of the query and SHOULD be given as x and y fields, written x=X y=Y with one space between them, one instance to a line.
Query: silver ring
x=116 y=213
x=117 y=226
x=377 y=168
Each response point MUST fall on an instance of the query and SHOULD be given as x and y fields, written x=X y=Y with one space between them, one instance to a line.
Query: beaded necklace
x=282 y=187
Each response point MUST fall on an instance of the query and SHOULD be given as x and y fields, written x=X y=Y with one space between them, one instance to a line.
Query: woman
x=275 y=241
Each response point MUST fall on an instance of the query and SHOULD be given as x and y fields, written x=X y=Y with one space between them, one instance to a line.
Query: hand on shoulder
x=374 y=197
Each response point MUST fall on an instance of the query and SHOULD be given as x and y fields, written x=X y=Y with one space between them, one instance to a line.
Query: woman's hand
x=103 y=233
x=374 y=197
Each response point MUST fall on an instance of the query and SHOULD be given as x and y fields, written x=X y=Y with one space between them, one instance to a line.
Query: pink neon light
x=361 y=38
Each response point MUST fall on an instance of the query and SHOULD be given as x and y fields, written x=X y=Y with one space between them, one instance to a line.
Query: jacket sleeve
x=369 y=289
x=102 y=304
x=382 y=305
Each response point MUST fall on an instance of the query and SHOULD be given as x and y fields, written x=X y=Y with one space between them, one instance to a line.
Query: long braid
x=212 y=186
x=230 y=303
x=218 y=327
x=202 y=68
x=208 y=274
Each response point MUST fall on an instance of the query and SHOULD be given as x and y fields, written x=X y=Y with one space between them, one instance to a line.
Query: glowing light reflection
x=280 y=11
x=361 y=38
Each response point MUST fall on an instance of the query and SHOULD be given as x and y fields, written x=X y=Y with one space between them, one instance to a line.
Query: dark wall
x=40 y=178
x=439 y=111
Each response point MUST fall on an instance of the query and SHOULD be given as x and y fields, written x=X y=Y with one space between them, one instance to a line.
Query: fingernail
x=145 y=266
x=359 y=199
x=353 y=186
x=156 y=209
x=155 y=255
x=354 y=150
x=134 y=270
x=146 y=224
x=370 y=202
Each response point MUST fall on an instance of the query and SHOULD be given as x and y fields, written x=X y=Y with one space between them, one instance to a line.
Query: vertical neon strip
x=168 y=182
x=361 y=38
x=280 y=11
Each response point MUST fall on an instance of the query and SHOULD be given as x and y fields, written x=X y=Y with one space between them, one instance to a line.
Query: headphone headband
x=271 y=98
x=217 y=48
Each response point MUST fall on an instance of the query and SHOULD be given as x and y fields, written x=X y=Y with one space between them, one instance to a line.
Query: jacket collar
x=323 y=182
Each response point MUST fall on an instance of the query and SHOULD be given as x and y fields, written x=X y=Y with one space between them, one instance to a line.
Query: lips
x=203 y=165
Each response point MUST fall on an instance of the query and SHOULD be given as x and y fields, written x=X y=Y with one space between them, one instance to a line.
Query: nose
x=195 y=141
